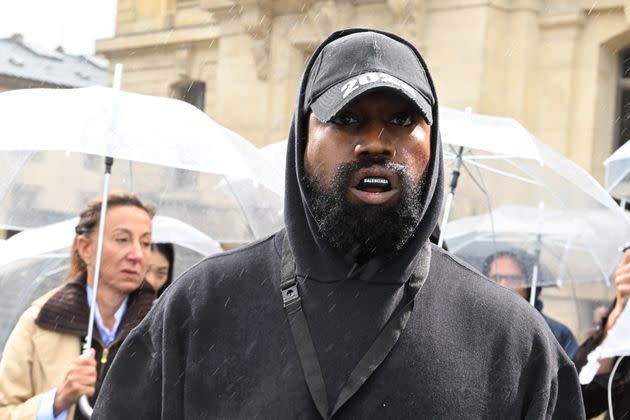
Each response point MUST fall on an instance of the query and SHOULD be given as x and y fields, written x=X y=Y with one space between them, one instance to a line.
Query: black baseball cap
x=364 y=61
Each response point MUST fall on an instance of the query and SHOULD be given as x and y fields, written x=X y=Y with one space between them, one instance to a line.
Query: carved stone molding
x=409 y=18
x=327 y=16
x=257 y=17
x=183 y=62
x=565 y=20
x=322 y=18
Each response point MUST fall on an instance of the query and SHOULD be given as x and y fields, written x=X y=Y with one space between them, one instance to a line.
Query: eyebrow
x=129 y=232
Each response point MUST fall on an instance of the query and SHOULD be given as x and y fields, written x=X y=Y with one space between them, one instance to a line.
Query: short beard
x=362 y=230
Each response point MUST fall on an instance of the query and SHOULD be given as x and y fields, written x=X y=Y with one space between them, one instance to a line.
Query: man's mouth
x=374 y=184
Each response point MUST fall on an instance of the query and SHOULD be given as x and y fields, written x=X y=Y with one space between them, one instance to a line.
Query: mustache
x=345 y=170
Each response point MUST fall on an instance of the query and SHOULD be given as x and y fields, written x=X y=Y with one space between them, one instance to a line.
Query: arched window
x=193 y=92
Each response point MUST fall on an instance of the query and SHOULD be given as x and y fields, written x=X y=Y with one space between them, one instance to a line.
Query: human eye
x=344 y=119
x=402 y=119
x=121 y=239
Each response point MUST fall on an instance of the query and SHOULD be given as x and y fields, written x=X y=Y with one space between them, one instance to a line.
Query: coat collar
x=67 y=311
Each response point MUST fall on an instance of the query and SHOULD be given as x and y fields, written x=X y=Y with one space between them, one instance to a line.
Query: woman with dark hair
x=42 y=372
x=595 y=393
x=160 y=271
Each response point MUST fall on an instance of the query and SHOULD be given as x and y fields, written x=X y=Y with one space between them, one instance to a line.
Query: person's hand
x=622 y=289
x=80 y=379
x=622 y=292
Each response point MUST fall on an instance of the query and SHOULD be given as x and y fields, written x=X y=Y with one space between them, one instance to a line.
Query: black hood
x=315 y=258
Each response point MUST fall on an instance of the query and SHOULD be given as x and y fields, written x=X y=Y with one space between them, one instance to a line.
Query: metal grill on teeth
x=373 y=180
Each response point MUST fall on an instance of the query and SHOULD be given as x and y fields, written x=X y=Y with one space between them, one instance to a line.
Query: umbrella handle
x=84 y=404
x=85 y=407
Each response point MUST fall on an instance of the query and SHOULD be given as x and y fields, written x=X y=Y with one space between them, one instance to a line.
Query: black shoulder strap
x=300 y=331
x=372 y=359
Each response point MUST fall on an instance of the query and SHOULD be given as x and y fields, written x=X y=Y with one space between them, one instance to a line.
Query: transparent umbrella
x=506 y=171
x=276 y=154
x=569 y=243
x=37 y=260
x=167 y=151
x=494 y=174
x=618 y=173
x=150 y=137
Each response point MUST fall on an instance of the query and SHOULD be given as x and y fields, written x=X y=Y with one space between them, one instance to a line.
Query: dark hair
x=89 y=219
x=523 y=259
x=168 y=250
x=525 y=262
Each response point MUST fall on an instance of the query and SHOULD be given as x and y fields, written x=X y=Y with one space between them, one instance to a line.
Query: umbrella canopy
x=617 y=166
x=276 y=154
x=167 y=151
x=487 y=133
x=528 y=177
x=569 y=243
x=37 y=260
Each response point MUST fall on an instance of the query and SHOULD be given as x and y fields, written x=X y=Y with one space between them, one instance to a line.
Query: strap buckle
x=290 y=295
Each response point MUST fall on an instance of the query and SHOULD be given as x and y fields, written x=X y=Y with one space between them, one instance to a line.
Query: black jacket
x=218 y=345
x=596 y=393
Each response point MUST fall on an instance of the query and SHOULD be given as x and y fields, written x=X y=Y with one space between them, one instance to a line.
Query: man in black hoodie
x=349 y=312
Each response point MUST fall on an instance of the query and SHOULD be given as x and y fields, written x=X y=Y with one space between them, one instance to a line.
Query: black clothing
x=562 y=333
x=218 y=344
x=526 y=261
x=596 y=393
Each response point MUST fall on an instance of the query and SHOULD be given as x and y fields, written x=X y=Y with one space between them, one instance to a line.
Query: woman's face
x=126 y=249
x=157 y=273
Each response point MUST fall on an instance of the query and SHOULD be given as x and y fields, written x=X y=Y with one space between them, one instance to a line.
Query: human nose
x=375 y=140
x=504 y=283
x=136 y=253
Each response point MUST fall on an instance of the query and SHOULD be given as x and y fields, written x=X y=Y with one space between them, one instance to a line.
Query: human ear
x=85 y=249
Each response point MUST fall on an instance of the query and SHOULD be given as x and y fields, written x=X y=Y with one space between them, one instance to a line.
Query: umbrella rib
x=487 y=157
x=504 y=173
x=485 y=194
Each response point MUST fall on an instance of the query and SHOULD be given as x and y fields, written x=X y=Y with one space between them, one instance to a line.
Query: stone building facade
x=554 y=65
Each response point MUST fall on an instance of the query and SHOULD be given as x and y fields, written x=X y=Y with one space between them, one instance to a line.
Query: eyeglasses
x=508 y=278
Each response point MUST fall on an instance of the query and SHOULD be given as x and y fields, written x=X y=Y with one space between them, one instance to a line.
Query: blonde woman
x=42 y=371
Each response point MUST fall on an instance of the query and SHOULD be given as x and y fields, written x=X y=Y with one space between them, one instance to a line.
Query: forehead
x=129 y=218
x=504 y=264
x=157 y=258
